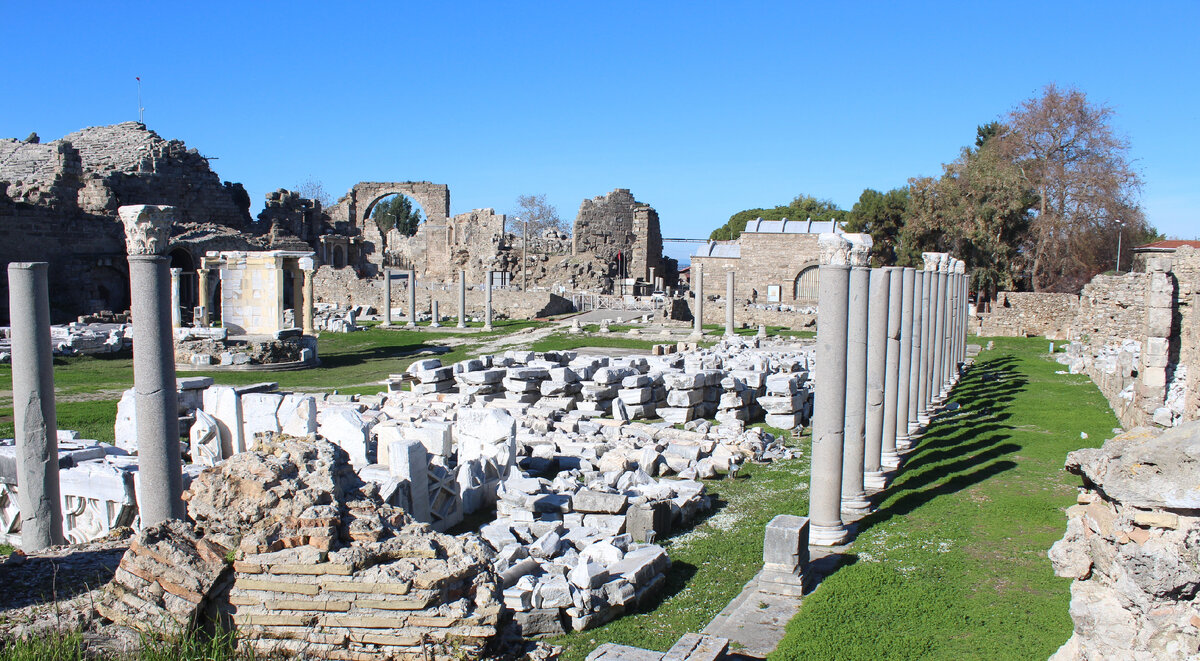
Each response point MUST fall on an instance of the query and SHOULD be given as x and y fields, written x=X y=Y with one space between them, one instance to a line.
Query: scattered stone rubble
x=1131 y=546
x=79 y=339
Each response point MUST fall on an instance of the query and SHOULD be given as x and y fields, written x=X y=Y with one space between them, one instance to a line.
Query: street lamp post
x=1120 y=231
x=524 y=255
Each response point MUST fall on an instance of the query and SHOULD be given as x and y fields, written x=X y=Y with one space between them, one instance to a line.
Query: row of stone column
x=412 y=300
x=889 y=345
x=698 y=292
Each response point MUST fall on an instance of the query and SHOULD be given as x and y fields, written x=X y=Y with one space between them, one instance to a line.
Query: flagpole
x=140 y=108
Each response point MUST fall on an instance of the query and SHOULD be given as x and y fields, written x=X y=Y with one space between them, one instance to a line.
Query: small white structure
x=253 y=286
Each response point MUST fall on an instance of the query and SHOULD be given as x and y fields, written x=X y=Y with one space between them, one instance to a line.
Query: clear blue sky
x=702 y=109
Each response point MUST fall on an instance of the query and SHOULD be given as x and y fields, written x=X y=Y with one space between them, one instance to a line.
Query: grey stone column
x=462 y=298
x=176 y=312
x=929 y=343
x=829 y=415
x=876 y=366
x=960 y=331
x=434 y=316
x=387 y=297
x=487 y=302
x=412 y=298
x=854 y=495
x=891 y=377
x=920 y=302
x=698 y=292
x=729 y=303
x=947 y=303
x=160 y=481
x=202 y=295
x=939 y=330
x=34 y=419
x=903 y=377
x=307 y=312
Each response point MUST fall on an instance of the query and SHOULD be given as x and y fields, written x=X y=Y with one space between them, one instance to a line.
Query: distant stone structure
x=622 y=234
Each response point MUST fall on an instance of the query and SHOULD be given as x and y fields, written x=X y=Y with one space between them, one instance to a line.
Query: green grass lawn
x=566 y=342
x=953 y=563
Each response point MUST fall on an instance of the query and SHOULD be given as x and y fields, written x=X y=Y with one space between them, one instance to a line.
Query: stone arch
x=804 y=288
x=339 y=256
x=433 y=198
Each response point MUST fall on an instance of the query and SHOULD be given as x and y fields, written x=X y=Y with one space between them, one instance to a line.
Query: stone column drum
x=908 y=290
x=920 y=301
x=854 y=495
x=891 y=376
x=387 y=297
x=877 y=311
x=829 y=416
x=487 y=302
x=729 y=303
x=160 y=482
x=462 y=299
x=35 y=421
x=412 y=298
x=698 y=293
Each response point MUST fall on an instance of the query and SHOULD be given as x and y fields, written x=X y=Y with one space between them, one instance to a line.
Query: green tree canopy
x=882 y=215
x=398 y=212
x=802 y=207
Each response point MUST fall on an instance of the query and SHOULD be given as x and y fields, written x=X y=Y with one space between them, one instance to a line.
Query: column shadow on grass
x=380 y=353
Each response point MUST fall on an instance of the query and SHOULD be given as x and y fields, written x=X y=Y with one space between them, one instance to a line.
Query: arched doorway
x=806 y=289
x=189 y=295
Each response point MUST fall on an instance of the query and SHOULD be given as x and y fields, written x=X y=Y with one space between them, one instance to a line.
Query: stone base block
x=828 y=535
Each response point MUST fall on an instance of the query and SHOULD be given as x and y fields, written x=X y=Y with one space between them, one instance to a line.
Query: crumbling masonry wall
x=1021 y=314
x=616 y=223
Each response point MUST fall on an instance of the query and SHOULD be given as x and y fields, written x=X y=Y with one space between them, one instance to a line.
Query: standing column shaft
x=487 y=302
x=34 y=419
x=918 y=339
x=829 y=417
x=939 y=328
x=176 y=311
x=462 y=299
x=435 y=319
x=160 y=474
x=876 y=366
x=387 y=297
x=854 y=496
x=412 y=297
x=297 y=298
x=908 y=284
x=891 y=377
x=944 y=334
x=729 y=303
x=698 y=330
x=307 y=309
x=929 y=312
x=202 y=294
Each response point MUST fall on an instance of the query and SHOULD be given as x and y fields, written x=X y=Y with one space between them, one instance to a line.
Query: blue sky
x=701 y=109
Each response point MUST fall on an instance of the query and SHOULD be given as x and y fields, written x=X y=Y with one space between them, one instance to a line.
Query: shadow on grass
x=351 y=358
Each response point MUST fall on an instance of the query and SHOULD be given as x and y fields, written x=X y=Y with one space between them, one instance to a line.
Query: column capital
x=860 y=248
x=960 y=267
x=175 y=273
x=147 y=228
x=933 y=260
x=835 y=249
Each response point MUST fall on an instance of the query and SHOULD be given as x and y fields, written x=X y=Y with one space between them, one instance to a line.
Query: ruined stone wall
x=617 y=224
x=1021 y=314
x=1111 y=309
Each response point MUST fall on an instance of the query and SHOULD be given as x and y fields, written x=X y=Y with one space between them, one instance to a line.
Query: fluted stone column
x=698 y=292
x=387 y=297
x=35 y=422
x=462 y=299
x=412 y=298
x=487 y=302
x=920 y=302
x=433 y=313
x=877 y=311
x=202 y=294
x=854 y=495
x=891 y=378
x=728 y=303
x=829 y=416
x=307 y=311
x=908 y=285
x=160 y=475
x=176 y=311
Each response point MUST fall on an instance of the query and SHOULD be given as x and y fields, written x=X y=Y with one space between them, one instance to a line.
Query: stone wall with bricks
x=1022 y=314
x=767 y=259
x=617 y=224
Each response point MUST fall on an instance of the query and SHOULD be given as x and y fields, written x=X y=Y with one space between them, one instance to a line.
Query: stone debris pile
x=333 y=318
x=79 y=339
x=1130 y=547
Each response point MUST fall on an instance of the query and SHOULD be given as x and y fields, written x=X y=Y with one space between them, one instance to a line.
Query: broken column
x=729 y=303
x=462 y=299
x=920 y=302
x=825 y=490
x=877 y=307
x=908 y=280
x=412 y=298
x=34 y=419
x=202 y=295
x=387 y=297
x=891 y=377
x=306 y=270
x=854 y=495
x=487 y=302
x=698 y=293
x=160 y=484
x=176 y=311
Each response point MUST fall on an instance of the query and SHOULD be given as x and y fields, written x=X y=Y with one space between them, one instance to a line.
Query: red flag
x=139 y=78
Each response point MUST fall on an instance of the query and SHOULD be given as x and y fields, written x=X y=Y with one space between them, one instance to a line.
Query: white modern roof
x=725 y=249
x=785 y=226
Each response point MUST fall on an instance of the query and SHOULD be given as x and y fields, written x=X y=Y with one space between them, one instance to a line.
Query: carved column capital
x=147 y=228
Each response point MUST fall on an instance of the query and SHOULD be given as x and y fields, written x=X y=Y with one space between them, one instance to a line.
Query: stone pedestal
x=729 y=289
x=908 y=280
x=891 y=378
x=147 y=233
x=462 y=299
x=412 y=299
x=176 y=308
x=829 y=414
x=487 y=302
x=387 y=298
x=34 y=418
x=877 y=311
x=698 y=293
x=854 y=496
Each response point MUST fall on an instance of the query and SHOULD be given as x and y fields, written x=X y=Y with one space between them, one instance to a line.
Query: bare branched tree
x=313 y=189
x=540 y=215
